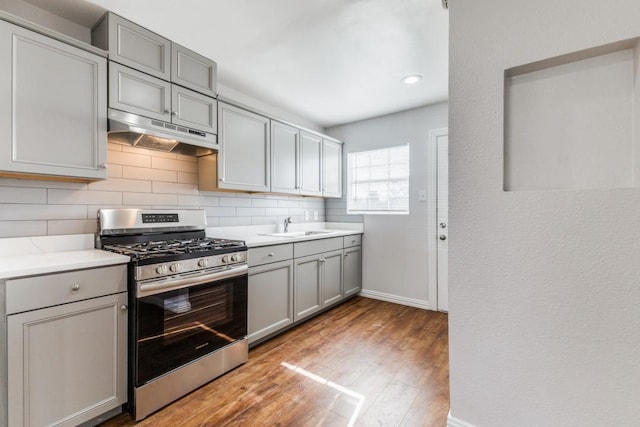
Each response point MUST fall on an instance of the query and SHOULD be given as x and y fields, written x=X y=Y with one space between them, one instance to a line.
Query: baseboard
x=454 y=422
x=396 y=299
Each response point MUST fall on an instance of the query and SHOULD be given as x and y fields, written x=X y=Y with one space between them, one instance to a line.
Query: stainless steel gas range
x=187 y=298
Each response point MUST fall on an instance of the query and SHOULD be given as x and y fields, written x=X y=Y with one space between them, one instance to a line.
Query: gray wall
x=395 y=246
x=543 y=292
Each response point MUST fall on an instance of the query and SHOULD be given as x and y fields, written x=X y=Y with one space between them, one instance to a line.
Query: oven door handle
x=166 y=285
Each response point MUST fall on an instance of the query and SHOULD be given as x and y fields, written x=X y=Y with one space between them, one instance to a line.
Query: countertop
x=28 y=256
x=256 y=236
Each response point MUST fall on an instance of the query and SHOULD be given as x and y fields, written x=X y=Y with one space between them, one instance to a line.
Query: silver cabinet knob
x=123 y=307
x=167 y=111
x=443 y=225
x=271 y=254
x=75 y=287
x=102 y=166
x=443 y=237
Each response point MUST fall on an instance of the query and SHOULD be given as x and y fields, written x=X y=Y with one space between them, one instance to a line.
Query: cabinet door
x=284 y=158
x=331 y=277
x=352 y=271
x=139 y=48
x=53 y=116
x=308 y=292
x=310 y=161
x=67 y=363
x=139 y=93
x=193 y=110
x=245 y=149
x=192 y=70
x=270 y=298
x=331 y=168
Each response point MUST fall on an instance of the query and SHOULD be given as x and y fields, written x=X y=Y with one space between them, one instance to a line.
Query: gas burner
x=169 y=247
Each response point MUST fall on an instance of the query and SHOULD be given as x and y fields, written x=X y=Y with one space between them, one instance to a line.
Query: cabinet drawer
x=268 y=254
x=317 y=246
x=42 y=291
x=355 y=240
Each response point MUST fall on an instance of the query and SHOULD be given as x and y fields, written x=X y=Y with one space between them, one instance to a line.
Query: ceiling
x=329 y=61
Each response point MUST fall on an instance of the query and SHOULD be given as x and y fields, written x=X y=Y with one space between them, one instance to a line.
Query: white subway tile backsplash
x=277 y=211
x=137 y=178
x=288 y=203
x=234 y=201
x=23 y=228
x=118 y=184
x=250 y=211
x=149 y=174
x=220 y=211
x=234 y=220
x=84 y=197
x=128 y=159
x=264 y=220
x=23 y=195
x=173 y=165
x=151 y=199
x=13 y=212
x=174 y=188
x=72 y=226
x=264 y=203
x=114 y=171
x=187 y=178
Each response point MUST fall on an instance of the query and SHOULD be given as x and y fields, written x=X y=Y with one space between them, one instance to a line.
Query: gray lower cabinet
x=352 y=270
x=270 y=298
x=66 y=346
x=318 y=280
x=53 y=107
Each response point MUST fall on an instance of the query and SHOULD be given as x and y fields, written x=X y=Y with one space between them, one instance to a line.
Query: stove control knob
x=225 y=259
x=203 y=262
x=175 y=268
x=234 y=257
x=161 y=269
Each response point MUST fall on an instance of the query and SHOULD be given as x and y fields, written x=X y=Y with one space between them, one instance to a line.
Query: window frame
x=350 y=182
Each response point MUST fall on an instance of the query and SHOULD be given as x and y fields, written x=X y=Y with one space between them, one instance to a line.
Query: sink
x=297 y=233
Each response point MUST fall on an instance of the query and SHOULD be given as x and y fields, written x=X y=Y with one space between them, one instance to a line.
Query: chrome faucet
x=287 y=221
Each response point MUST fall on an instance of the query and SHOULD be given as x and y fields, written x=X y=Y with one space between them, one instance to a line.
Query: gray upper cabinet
x=192 y=70
x=331 y=168
x=131 y=45
x=284 y=158
x=310 y=164
x=193 y=110
x=53 y=117
x=245 y=149
x=139 y=93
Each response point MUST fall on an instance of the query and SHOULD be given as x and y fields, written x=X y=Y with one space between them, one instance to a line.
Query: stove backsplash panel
x=137 y=178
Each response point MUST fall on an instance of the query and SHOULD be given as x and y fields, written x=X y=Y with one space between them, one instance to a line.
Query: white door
x=438 y=199
x=442 y=208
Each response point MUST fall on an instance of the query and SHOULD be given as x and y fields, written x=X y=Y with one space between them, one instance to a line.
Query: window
x=378 y=181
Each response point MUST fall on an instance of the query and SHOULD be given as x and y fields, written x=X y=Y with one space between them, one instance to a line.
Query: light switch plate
x=315 y=215
x=422 y=195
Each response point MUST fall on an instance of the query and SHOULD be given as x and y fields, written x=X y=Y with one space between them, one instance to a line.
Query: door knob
x=443 y=237
x=443 y=225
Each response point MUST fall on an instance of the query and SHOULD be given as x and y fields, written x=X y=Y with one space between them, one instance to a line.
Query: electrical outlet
x=315 y=215
x=306 y=215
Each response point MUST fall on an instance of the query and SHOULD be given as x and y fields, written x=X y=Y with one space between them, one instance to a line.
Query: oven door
x=178 y=324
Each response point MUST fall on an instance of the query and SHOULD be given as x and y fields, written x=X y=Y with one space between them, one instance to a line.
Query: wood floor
x=364 y=363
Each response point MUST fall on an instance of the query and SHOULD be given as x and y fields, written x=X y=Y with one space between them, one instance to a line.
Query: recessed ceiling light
x=413 y=78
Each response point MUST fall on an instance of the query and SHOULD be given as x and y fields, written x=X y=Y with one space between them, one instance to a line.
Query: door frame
x=432 y=215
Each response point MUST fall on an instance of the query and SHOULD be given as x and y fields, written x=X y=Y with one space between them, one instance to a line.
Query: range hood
x=157 y=135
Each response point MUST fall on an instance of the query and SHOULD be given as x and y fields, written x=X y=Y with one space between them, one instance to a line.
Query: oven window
x=179 y=326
